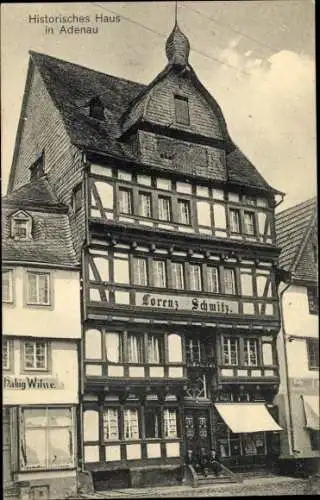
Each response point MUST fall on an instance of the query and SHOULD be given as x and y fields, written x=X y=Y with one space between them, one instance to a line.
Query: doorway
x=197 y=432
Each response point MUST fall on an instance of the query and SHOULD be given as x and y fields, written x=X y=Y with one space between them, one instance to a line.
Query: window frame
x=135 y=268
x=237 y=350
x=21 y=216
x=38 y=272
x=175 y=275
x=245 y=226
x=140 y=349
x=170 y=212
x=194 y=265
x=105 y=411
x=312 y=344
x=236 y=210
x=147 y=194
x=234 y=279
x=246 y=352
x=183 y=202
x=47 y=356
x=129 y=192
x=138 y=423
x=10 y=300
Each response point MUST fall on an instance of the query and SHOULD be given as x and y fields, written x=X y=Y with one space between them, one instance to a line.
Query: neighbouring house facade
x=175 y=231
x=298 y=341
x=40 y=343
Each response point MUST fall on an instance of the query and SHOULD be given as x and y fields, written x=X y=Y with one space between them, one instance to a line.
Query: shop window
x=195 y=277
x=229 y=281
x=230 y=351
x=114 y=349
x=77 y=198
x=135 y=348
x=125 y=201
x=155 y=349
x=184 y=216
x=140 y=274
x=250 y=352
x=110 y=424
x=121 y=269
x=253 y=444
x=46 y=438
x=164 y=208
x=7 y=285
x=152 y=423
x=90 y=425
x=213 y=279
x=93 y=344
x=313 y=300
x=267 y=353
x=182 y=110
x=177 y=270
x=159 y=273
x=6 y=345
x=131 y=424
x=234 y=220
x=145 y=205
x=21 y=224
x=35 y=356
x=313 y=354
x=174 y=348
x=170 y=423
x=314 y=440
x=38 y=288
x=249 y=223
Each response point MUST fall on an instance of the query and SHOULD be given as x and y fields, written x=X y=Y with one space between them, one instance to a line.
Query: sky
x=256 y=58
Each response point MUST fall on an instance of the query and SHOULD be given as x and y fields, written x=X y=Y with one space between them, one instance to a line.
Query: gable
x=307 y=264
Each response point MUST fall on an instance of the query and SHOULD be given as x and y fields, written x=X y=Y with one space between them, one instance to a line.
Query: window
x=195 y=277
x=135 y=349
x=93 y=344
x=182 y=110
x=110 y=424
x=246 y=282
x=159 y=273
x=170 y=423
x=152 y=423
x=7 y=285
x=145 y=206
x=234 y=220
x=46 y=438
x=174 y=348
x=131 y=424
x=6 y=354
x=121 y=268
x=213 y=279
x=20 y=229
x=164 y=207
x=194 y=352
x=125 y=201
x=77 y=198
x=313 y=300
x=114 y=348
x=177 y=275
x=229 y=282
x=184 y=212
x=35 y=356
x=313 y=354
x=140 y=275
x=250 y=352
x=230 y=351
x=155 y=349
x=38 y=288
x=249 y=223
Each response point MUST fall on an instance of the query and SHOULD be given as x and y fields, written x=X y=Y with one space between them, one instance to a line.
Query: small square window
x=7 y=285
x=38 y=288
x=35 y=356
x=182 y=110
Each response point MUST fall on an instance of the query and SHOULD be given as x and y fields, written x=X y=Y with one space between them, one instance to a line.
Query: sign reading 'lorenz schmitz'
x=183 y=302
x=23 y=383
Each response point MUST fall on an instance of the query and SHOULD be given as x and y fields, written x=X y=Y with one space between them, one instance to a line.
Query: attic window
x=37 y=168
x=21 y=226
x=96 y=108
x=182 y=110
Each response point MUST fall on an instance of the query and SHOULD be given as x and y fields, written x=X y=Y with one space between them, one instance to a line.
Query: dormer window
x=21 y=226
x=96 y=108
x=182 y=110
x=37 y=168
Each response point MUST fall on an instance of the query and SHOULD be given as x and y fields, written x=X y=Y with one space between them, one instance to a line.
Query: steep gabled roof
x=37 y=194
x=71 y=88
x=293 y=228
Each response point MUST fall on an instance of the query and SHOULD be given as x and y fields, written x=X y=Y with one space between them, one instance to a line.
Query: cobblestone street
x=270 y=486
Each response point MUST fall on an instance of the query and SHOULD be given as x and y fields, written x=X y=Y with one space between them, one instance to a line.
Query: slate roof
x=51 y=241
x=71 y=88
x=293 y=227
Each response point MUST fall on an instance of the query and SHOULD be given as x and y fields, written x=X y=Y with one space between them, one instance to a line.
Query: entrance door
x=197 y=431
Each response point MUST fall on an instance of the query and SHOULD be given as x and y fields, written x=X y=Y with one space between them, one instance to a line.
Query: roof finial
x=176 y=13
x=177 y=45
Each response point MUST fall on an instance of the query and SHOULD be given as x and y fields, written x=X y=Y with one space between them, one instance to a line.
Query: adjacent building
x=40 y=342
x=174 y=228
x=298 y=341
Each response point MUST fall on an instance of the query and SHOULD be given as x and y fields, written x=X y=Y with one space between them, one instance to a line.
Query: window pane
x=131 y=424
x=41 y=355
x=154 y=349
x=125 y=201
x=110 y=424
x=204 y=216
x=152 y=423
x=43 y=283
x=35 y=418
x=174 y=348
x=249 y=223
x=114 y=347
x=59 y=417
x=121 y=270
x=60 y=447
x=6 y=286
x=267 y=354
x=32 y=288
x=177 y=275
x=20 y=228
x=33 y=448
x=250 y=352
x=184 y=211
x=164 y=208
x=234 y=221
x=213 y=279
x=195 y=277
x=313 y=353
x=135 y=349
x=229 y=281
x=182 y=110
x=230 y=351
x=170 y=423
x=159 y=273
x=140 y=276
x=145 y=209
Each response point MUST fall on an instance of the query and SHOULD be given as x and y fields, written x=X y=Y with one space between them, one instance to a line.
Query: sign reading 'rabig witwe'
x=24 y=383
x=186 y=303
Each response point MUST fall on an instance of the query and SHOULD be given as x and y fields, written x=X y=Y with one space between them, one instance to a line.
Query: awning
x=311 y=408
x=247 y=417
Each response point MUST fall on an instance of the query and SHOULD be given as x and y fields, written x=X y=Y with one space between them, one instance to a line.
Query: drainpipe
x=291 y=444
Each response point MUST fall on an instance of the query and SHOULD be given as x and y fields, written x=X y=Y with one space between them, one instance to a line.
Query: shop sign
x=32 y=383
x=186 y=303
